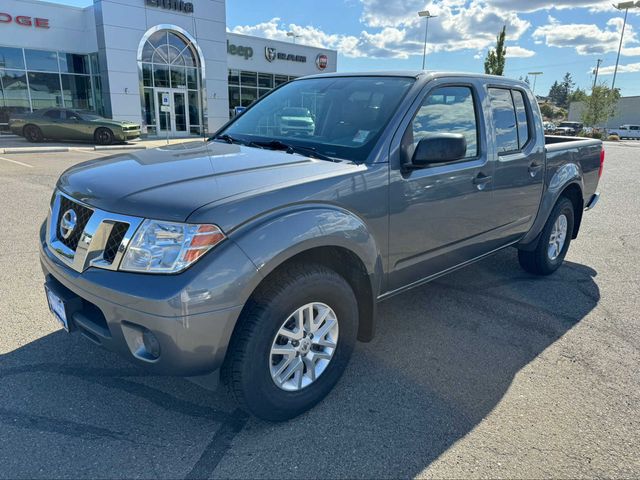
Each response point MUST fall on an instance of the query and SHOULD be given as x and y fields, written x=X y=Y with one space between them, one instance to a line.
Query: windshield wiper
x=310 y=152
x=229 y=139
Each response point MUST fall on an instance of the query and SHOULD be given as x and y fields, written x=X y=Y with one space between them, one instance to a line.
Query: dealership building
x=169 y=64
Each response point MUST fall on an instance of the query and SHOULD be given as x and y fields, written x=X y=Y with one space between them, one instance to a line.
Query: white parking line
x=16 y=162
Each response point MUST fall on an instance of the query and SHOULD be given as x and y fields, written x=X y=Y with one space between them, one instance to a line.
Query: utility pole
x=535 y=77
x=595 y=80
x=427 y=15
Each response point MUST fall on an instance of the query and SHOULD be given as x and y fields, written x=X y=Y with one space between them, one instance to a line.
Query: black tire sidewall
x=36 y=137
x=564 y=206
x=109 y=138
x=261 y=395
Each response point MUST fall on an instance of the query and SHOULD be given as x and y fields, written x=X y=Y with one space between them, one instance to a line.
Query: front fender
x=284 y=234
x=563 y=177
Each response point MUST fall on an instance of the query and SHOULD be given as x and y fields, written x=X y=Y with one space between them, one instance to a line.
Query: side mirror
x=439 y=148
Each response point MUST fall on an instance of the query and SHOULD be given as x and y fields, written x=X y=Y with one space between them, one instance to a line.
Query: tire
x=33 y=133
x=103 y=136
x=546 y=259
x=250 y=362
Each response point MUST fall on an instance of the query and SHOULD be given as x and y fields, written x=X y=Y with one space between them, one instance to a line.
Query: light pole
x=595 y=80
x=622 y=6
x=427 y=15
x=293 y=35
x=535 y=77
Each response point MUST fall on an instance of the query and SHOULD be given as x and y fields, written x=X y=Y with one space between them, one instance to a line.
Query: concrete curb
x=70 y=149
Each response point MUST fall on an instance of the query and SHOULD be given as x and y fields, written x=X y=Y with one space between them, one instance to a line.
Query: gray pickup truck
x=264 y=253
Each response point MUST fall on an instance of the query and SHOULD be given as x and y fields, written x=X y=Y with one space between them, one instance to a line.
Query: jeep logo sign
x=177 y=5
x=239 y=50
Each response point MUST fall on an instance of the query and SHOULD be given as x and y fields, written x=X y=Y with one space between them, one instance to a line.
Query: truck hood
x=170 y=183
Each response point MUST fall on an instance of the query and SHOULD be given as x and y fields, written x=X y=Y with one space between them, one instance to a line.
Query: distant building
x=627 y=112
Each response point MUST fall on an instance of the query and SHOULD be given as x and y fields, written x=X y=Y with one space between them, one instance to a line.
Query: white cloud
x=588 y=39
x=533 y=5
x=394 y=30
x=519 y=52
x=629 y=68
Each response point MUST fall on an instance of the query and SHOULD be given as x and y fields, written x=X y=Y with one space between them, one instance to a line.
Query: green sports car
x=67 y=124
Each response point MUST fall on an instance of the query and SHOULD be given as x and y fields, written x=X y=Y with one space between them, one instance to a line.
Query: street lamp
x=427 y=15
x=293 y=35
x=535 y=77
x=622 y=6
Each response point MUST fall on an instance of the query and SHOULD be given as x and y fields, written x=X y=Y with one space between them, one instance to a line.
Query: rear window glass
x=521 y=113
x=504 y=120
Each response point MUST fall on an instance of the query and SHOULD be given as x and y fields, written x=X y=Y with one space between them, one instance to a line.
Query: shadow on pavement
x=445 y=355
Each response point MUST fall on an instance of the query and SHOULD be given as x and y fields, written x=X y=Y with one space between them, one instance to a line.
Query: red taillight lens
x=601 y=162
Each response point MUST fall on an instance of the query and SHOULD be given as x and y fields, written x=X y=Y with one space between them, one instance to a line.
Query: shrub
x=613 y=138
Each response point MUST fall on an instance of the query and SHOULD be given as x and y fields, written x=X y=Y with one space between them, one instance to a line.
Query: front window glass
x=339 y=116
x=446 y=110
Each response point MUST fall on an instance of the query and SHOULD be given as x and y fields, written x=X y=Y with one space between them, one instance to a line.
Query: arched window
x=170 y=65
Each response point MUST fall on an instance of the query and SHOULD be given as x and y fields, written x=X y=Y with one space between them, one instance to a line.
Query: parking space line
x=16 y=162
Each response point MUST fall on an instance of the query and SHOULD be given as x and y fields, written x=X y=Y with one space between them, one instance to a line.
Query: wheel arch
x=328 y=236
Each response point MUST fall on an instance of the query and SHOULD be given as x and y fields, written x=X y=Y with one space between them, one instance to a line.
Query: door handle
x=534 y=168
x=481 y=180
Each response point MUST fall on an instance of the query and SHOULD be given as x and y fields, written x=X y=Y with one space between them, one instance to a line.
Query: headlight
x=167 y=247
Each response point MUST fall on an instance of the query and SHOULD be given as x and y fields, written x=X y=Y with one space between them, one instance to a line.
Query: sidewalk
x=15 y=144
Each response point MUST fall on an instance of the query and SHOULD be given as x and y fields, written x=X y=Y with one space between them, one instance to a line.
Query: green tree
x=494 y=62
x=578 y=95
x=560 y=93
x=555 y=93
x=600 y=106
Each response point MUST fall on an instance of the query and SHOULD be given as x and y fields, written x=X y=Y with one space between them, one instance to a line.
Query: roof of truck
x=416 y=74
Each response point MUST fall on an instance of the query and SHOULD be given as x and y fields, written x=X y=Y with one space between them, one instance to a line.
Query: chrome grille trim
x=94 y=237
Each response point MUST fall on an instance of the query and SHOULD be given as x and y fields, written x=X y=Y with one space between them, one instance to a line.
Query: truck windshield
x=336 y=116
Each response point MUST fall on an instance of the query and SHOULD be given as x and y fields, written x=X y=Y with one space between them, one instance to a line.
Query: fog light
x=151 y=344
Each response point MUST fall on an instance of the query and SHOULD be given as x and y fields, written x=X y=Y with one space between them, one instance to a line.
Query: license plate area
x=62 y=303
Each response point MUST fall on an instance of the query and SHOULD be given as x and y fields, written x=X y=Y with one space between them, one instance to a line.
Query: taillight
x=601 y=162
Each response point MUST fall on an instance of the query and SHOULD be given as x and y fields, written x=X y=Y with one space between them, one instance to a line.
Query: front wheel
x=103 y=136
x=292 y=343
x=553 y=242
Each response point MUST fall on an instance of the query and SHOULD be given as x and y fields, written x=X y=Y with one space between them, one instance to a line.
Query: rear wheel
x=292 y=343
x=33 y=133
x=553 y=243
x=103 y=136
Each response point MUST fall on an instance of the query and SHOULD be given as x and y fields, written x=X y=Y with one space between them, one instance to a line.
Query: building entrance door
x=172 y=111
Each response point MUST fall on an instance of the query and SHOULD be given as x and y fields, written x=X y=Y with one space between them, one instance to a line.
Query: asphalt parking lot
x=488 y=372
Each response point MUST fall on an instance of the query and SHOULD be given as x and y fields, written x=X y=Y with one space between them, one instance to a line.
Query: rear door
x=519 y=171
x=441 y=215
x=51 y=123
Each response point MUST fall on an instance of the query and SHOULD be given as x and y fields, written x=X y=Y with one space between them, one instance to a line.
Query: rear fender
x=566 y=175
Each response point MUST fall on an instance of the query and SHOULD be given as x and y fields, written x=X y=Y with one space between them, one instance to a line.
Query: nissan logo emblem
x=68 y=223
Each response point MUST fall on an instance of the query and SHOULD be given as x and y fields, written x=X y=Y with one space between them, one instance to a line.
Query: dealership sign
x=239 y=50
x=322 y=61
x=177 y=5
x=272 y=54
x=24 y=20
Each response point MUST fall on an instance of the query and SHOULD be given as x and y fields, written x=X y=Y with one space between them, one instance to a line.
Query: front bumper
x=125 y=135
x=191 y=315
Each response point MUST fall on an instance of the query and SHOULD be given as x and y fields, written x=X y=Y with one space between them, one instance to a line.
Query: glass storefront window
x=192 y=78
x=97 y=95
x=280 y=79
x=11 y=58
x=249 y=79
x=147 y=78
x=77 y=92
x=265 y=80
x=194 y=113
x=234 y=97
x=95 y=65
x=263 y=91
x=178 y=78
x=161 y=75
x=44 y=89
x=73 y=63
x=41 y=60
x=14 y=96
x=248 y=96
x=234 y=77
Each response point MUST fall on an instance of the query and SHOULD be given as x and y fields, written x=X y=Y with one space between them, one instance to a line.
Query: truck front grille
x=115 y=240
x=83 y=214
x=94 y=236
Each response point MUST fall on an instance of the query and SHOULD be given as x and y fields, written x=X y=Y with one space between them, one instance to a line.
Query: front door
x=172 y=112
x=442 y=215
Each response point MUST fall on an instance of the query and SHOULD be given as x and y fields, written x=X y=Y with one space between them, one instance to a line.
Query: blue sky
x=552 y=37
